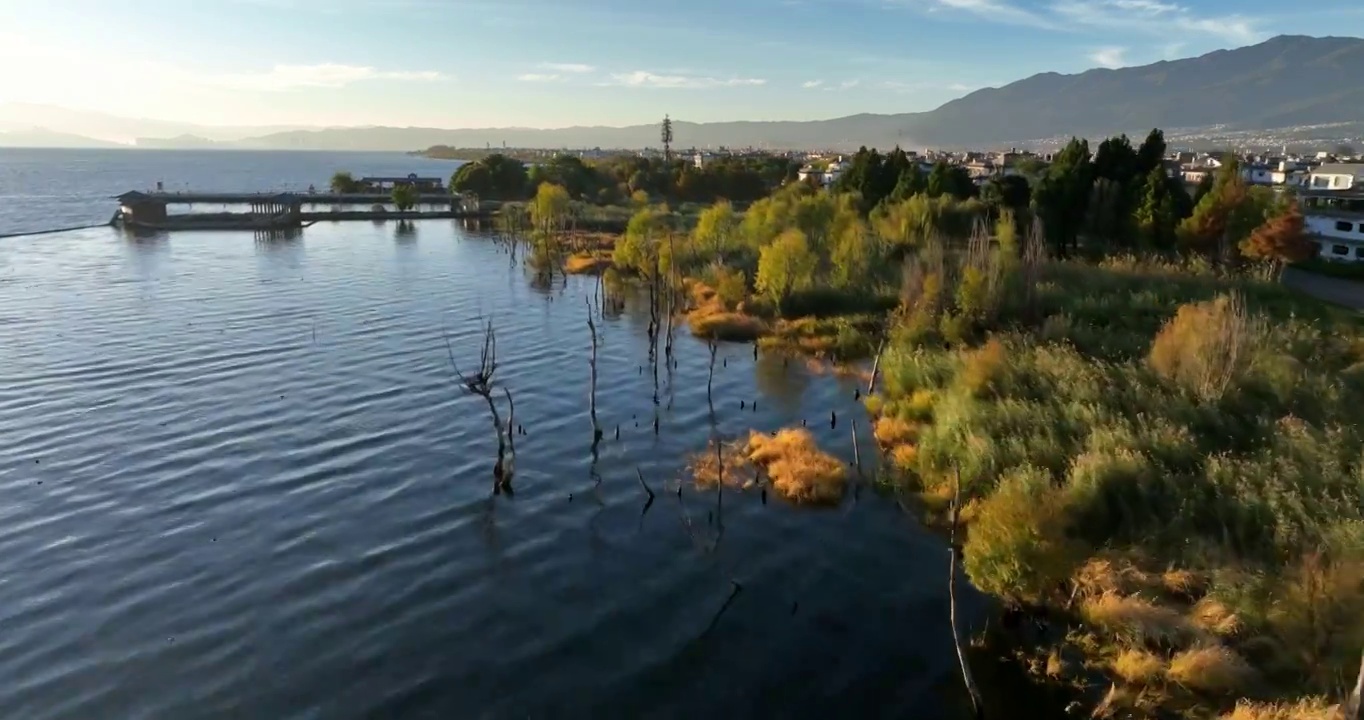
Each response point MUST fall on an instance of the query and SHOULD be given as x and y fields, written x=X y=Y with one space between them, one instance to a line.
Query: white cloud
x=644 y=79
x=326 y=75
x=997 y=11
x=1147 y=7
x=960 y=87
x=1157 y=18
x=539 y=77
x=571 y=68
x=1109 y=57
x=849 y=84
x=811 y=84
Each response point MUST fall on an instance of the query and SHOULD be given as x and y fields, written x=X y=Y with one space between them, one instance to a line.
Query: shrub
x=983 y=368
x=731 y=287
x=1207 y=346
x=1017 y=545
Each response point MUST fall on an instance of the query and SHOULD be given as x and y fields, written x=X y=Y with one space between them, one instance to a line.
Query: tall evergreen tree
x=1157 y=214
x=1060 y=199
x=666 y=135
x=1116 y=160
x=1152 y=152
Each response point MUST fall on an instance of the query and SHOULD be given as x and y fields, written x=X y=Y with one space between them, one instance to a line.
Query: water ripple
x=242 y=480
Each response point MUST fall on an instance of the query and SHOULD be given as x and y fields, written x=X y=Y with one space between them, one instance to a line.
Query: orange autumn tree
x=1281 y=239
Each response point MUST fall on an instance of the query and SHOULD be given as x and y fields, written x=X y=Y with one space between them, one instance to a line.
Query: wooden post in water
x=857 y=452
x=710 y=378
x=592 y=363
x=876 y=367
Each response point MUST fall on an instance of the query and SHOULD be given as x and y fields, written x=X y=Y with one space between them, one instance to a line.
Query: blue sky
x=552 y=63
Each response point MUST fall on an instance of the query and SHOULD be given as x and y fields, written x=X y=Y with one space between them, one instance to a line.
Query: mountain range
x=1293 y=87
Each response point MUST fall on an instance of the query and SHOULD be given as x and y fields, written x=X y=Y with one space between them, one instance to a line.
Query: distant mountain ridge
x=1283 y=82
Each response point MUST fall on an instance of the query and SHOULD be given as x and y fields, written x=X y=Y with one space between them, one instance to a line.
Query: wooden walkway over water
x=268 y=210
x=287 y=198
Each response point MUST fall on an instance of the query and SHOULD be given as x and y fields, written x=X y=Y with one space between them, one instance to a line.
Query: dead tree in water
x=672 y=298
x=480 y=383
x=875 y=366
x=1352 y=709
x=511 y=430
x=592 y=363
x=710 y=378
x=977 y=705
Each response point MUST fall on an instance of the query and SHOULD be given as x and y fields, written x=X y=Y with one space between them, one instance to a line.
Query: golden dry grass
x=1056 y=665
x=892 y=431
x=1138 y=667
x=798 y=469
x=739 y=472
x=710 y=319
x=1211 y=669
x=1115 y=702
x=727 y=326
x=587 y=263
x=1136 y=620
x=1307 y=709
x=1184 y=583
x=1104 y=575
x=904 y=456
x=1213 y=616
x=790 y=460
x=701 y=293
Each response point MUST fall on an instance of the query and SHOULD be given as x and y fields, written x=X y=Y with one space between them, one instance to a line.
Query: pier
x=269 y=211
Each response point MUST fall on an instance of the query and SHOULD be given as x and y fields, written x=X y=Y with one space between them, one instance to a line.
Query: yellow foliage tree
x=785 y=266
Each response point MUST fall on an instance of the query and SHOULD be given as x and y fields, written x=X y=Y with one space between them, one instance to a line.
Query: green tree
x=405 y=196
x=1226 y=214
x=1062 y=197
x=785 y=266
x=666 y=135
x=1202 y=189
x=343 y=182
x=910 y=183
x=639 y=250
x=1116 y=160
x=912 y=222
x=951 y=180
x=1151 y=154
x=1007 y=191
x=853 y=254
x=495 y=177
x=1157 y=213
x=716 y=229
x=549 y=210
x=1107 y=219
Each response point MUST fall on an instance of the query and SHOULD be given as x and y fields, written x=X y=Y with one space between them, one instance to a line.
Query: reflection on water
x=242 y=481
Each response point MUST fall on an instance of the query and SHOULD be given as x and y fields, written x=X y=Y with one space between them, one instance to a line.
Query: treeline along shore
x=1152 y=451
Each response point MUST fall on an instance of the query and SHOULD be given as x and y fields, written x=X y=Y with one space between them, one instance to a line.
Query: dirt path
x=1349 y=293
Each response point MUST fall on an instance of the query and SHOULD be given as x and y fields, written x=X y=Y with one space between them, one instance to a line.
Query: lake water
x=239 y=480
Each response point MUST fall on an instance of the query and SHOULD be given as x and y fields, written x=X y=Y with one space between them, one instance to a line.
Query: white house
x=1333 y=210
x=1338 y=176
x=826 y=177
